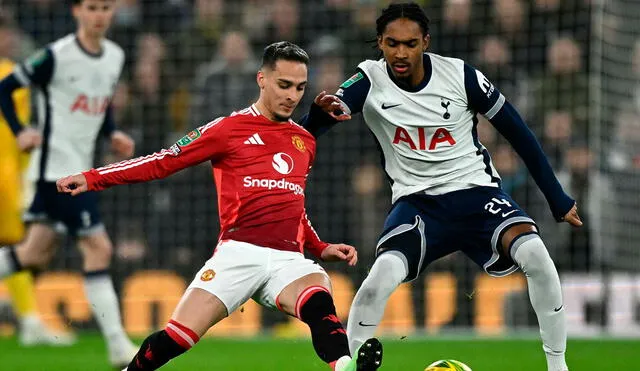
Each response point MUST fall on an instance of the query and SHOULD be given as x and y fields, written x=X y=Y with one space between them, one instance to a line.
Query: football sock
x=387 y=273
x=315 y=308
x=545 y=293
x=162 y=346
x=104 y=304
x=22 y=293
x=9 y=263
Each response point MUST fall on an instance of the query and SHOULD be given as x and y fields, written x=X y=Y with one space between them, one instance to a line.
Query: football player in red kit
x=260 y=160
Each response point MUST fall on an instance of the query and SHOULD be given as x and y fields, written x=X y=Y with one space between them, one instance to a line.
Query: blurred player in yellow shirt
x=12 y=164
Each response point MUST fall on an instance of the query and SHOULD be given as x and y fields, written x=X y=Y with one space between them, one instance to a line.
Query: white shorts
x=238 y=271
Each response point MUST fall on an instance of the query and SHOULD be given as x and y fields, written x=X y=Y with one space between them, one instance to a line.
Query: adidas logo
x=254 y=139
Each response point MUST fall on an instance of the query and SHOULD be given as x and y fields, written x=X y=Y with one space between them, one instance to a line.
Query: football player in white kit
x=76 y=77
x=422 y=109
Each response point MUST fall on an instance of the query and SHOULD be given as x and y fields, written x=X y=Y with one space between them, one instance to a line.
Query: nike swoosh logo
x=557 y=309
x=385 y=106
x=504 y=215
x=365 y=325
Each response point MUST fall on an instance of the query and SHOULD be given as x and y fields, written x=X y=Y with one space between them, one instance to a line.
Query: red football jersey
x=260 y=169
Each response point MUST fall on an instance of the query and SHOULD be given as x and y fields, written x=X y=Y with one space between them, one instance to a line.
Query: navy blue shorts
x=425 y=228
x=77 y=215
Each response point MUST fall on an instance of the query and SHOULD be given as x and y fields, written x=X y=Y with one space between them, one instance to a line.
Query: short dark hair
x=283 y=50
x=410 y=11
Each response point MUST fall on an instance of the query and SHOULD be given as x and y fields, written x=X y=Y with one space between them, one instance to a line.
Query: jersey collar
x=85 y=51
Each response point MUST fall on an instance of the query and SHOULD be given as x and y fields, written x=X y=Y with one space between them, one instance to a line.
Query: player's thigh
x=291 y=277
x=39 y=245
x=198 y=310
x=414 y=233
x=96 y=244
x=491 y=216
x=234 y=273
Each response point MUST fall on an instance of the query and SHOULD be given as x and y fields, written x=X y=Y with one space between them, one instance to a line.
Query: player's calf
x=315 y=308
x=162 y=346
x=545 y=293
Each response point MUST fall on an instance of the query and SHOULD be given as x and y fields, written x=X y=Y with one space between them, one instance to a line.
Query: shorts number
x=491 y=206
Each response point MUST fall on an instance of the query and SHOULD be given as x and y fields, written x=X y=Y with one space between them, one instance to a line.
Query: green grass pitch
x=276 y=355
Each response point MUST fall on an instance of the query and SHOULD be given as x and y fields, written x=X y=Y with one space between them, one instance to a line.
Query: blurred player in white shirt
x=75 y=78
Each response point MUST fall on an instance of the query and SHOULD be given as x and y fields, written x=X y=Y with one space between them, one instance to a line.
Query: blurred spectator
x=361 y=36
x=327 y=70
x=561 y=97
x=369 y=206
x=512 y=173
x=593 y=192
x=227 y=83
x=133 y=17
x=625 y=149
x=198 y=42
x=455 y=37
x=149 y=92
x=511 y=22
x=254 y=19
x=286 y=24
x=494 y=59
x=43 y=20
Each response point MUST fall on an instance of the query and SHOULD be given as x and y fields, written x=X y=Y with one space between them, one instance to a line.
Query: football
x=448 y=364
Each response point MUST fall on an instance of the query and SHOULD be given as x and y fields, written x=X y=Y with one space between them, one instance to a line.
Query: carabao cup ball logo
x=283 y=163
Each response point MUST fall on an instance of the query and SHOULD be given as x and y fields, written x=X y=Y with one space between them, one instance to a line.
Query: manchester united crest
x=207 y=275
x=298 y=143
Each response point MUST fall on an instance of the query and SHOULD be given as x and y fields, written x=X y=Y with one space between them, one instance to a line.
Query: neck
x=90 y=43
x=417 y=77
x=264 y=111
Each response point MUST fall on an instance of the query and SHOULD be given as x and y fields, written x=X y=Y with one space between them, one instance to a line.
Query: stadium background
x=572 y=67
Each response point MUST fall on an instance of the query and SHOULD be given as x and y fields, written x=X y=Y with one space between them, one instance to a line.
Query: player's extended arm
x=509 y=123
x=328 y=110
x=208 y=142
x=486 y=99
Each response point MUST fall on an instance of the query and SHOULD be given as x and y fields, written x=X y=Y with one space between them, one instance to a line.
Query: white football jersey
x=428 y=137
x=75 y=88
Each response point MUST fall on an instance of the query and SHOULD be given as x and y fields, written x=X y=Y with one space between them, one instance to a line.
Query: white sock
x=7 y=261
x=102 y=298
x=545 y=294
x=342 y=363
x=367 y=309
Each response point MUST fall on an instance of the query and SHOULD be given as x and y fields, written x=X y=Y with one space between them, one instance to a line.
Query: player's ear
x=260 y=79
x=379 y=41
x=427 y=42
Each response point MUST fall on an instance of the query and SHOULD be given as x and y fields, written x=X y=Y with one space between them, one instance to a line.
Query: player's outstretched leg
x=197 y=311
x=162 y=346
x=102 y=297
x=387 y=273
x=545 y=293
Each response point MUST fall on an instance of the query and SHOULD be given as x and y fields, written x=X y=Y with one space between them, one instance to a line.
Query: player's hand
x=28 y=139
x=340 y=252
x=122 y=144
x=331 y=105
x=73 y=185
x=572 y=217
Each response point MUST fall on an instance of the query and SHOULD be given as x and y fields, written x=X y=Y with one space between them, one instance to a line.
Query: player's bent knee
x=530 y=253
x=511 y=234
